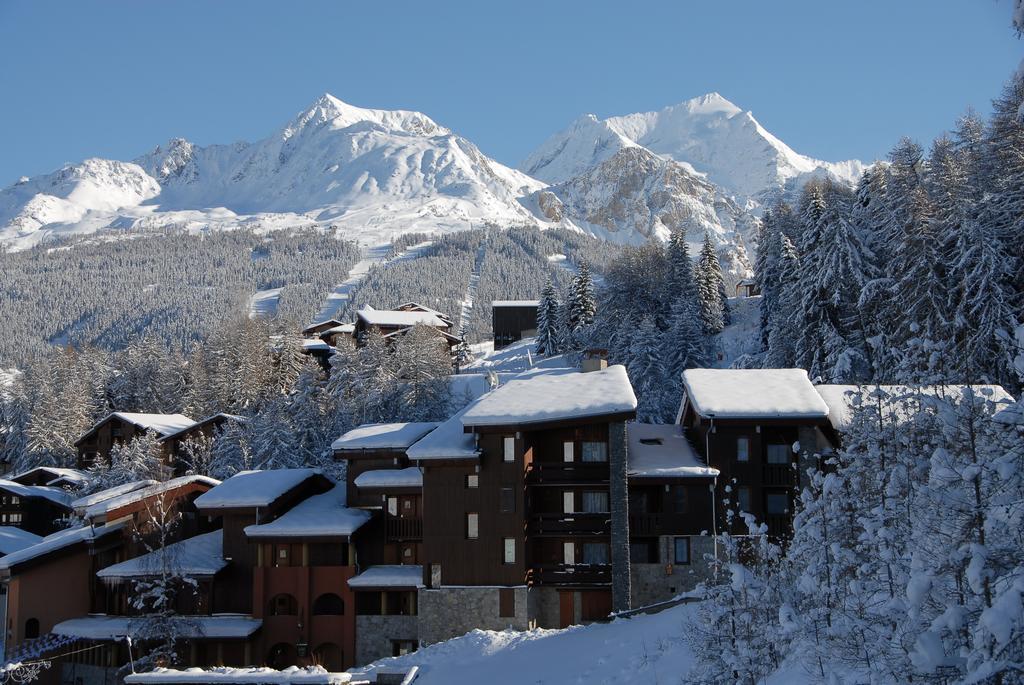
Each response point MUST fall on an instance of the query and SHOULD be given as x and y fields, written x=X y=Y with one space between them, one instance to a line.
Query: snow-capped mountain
x=710 y=135
x=370 y=173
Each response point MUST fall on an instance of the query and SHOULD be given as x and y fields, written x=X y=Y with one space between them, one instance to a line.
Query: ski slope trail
x=263 y=303
x=377 y=255
x=474 y=282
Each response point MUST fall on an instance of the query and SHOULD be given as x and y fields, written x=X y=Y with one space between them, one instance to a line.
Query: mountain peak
x=709 y=103
x=328 y=109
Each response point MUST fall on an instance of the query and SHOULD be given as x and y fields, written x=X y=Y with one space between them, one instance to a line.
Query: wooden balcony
x=778 y=474
x=779 y=525
x=576 y=575
x=399 y=529
x=568 y=473
x=555 y=524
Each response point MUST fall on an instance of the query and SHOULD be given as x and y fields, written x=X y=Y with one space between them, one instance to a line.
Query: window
x=742 y=449
x=472 y=481
x=776 y=503
x=743 y=499
x=568 y=451
x=643 y=552
x=282 y=556
x=402 y=647
x=393 y=506
x=15 y=499
x=32 y=629
x=568 y=502
x=681 y=547
x=679 y=499
x=595 y=502
x=510 y=449
x=472 y=526
x=778 y=454
x=328 y=604
x=283 y=605
x=508 y=500
x=510 y=551
x=15 y=518
x=506 y=602
x=568 y=553
x=595 y=451
x=595 y=553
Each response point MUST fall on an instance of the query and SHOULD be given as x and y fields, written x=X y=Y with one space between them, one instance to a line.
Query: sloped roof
x=388 y=576
x=83 y=503
x=250 y=489
x=388 y=317
x=383 y=436
x=323 y=515
x=137 y=495
x=752 y=394
x=255 y=675
x=56 y=495
x=62 y=539
x=202 y=555
x=161 y=424
x=56 y=473
x=15 y=539
x=447 y=441
x=220 y=416
x=662 y=451
x=223 y=626
x=411 y=477
x=543 y=396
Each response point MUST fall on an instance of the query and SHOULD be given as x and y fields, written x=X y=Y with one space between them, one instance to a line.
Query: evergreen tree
x=781 y=352
x=646 y=367
x=547 y=322
x=710 y=287
x=582 y=303
x=685 y=345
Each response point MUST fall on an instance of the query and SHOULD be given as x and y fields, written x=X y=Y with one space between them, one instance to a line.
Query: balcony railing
x=778 y=474
x=779 y=525
x=404 y=528
x=570 y=524
x=565 y=473
x=571 y=574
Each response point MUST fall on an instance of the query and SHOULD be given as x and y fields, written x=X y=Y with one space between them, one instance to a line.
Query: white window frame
x=510 y=550
x=509 y=449
x=743 y=449
x=568 y=451
x=569 y=553
x=472 y=525
x=568 y=502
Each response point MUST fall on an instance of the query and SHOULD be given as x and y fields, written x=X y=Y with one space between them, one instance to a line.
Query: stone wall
x=652 y=583
x=448 y=612
x=544 y=607
x=375 y=633
x=619 y=496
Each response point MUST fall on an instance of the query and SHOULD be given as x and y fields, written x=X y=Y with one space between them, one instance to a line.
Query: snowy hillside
x=642 y=649
x=708 y=134
x=373 y=174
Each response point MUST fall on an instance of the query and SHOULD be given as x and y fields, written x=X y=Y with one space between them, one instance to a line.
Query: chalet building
x=37 y=509
x=513 y=320
x=759 y=428
x=342 y=334
x=52 y=476
x=51 y=594
x=747 y=288
x=202 y=429
x=317 y=328
x=397 y=322
x=417 y=307
x=120 y=427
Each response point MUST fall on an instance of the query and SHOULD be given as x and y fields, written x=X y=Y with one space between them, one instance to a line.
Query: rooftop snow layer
x=220 y=415
x=554 y=396
x=386 y=317
x=411 y=477
x=310 y=675
x=162 y=424
x=202 y=555
x=131 y=497
x=842 y=400
x=388 y=576
x=447 y=441
x=515 y=303
x=466 y=387
x=323 y=515
x=383 y=436
x=56 y=541
x=112 y=627
x=83 y=503
x=753 y=394
x=55 y=495
x=662 y=451
x=56 y=473
x=15 y=539
x=247 y=489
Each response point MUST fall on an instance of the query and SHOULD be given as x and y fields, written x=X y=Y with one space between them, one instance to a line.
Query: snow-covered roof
x=515 y=303
x=249 y=489
x=323 y=515
x=447 y=441
x=383 y=436
x=161 y=424
x=83 y=503
x=842 y=400
x=202 y=555
x=221 y=416
x=554 y=396
x=318 y=324
x=310 y=675
x=469 y=386
x=388 y=576
x=422 y=308
x=343 y=328
x=100 y=627
x=55 y=473
x=57 y=541
x=752 y=394
x=55 y=495
x=15 y=539
x=387 y=317
x=315 y=344
x=132 y=496
x=411 y=477
x=662 y=451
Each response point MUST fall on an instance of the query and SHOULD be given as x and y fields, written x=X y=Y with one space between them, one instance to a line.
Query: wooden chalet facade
x=120 y=427
x=513 y=320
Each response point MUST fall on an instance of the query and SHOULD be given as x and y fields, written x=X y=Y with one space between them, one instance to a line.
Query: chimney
x=595 y=359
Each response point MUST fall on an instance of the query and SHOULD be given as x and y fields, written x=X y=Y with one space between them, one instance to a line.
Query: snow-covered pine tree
x=272 y=437
x=230 y=452
x=422 y=362
x=868 y=217
x=140 y=458
x=781 y=353
x=647 y=371
x=582 y=302
x=710 y=287
x=684 y=342
x=547 y=322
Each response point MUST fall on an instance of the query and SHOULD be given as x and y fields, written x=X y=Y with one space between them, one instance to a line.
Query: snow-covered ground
x=263 y=303
x=743 y=335
x=519 y=356
x=376 y=255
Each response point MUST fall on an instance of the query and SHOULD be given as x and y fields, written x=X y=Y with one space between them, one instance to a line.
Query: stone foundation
x=653 y=583
x=448 y=612
x=374 y=635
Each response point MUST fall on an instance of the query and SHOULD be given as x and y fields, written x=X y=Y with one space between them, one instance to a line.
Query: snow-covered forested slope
x=707 y=135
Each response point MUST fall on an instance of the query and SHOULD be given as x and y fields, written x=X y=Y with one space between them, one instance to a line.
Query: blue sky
x=834 y=79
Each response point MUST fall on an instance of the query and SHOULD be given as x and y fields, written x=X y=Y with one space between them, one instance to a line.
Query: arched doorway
x=329 y=604
x=282 y=605
x=330 y=656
